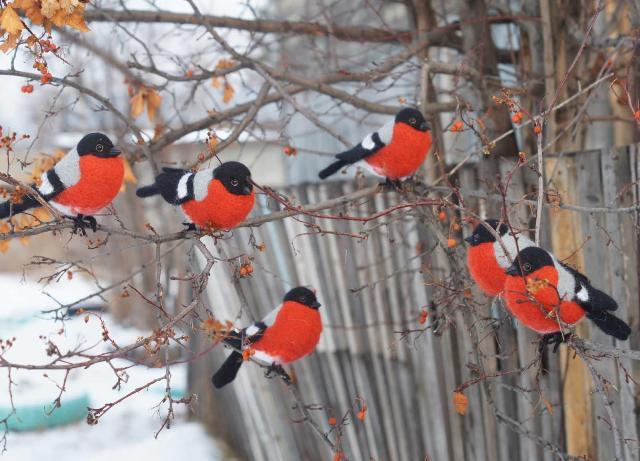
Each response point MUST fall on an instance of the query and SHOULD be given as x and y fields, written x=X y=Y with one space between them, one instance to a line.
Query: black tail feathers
x=610 y=324
x=602 y=300
x=333 y=169
x=228 y=371
x=7 y=208
x=147 y=191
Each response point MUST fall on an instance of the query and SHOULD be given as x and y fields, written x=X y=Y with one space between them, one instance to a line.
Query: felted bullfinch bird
x=486 y=257
x=82 y=183
x=394 y=152
x=218 y=198
x=287 y=334
x=542 y=292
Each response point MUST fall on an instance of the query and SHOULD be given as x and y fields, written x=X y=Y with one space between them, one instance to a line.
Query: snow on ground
x=126 y=431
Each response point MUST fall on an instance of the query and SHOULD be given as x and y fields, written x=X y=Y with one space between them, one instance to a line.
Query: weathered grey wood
x=373 y=287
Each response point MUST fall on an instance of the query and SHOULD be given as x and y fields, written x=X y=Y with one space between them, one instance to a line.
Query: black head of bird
x=97 y=144
x=413 y=118
x=482 y=235
x=303 y=296
x=235 y=177
x=529 y=261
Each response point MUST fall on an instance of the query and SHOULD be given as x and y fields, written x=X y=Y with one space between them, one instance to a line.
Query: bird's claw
x=189 y=226
x=277 y=370
x=392 y=184
x=81 y=222
x=554 y=339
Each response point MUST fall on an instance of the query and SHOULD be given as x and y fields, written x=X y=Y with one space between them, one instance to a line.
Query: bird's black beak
x=424 y=126
x=246 y=190
x=114 y=151
x=316 y=305
x=469 y=240
x=514 y=270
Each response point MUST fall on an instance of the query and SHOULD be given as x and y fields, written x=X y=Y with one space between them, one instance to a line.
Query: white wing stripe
x=46 y=187
x=182 y=186
x=367 y=142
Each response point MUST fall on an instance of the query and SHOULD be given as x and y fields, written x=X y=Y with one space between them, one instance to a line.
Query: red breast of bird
x=100 y=182
x=220 y=209
x=484 y=268
x=294 y=333
x=403 y=155
x=534 y=301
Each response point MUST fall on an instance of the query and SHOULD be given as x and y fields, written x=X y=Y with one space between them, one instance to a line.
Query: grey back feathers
x=512 y=244
x=68 y=169
x=201 y=181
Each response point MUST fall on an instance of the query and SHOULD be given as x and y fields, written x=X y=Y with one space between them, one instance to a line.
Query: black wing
x=168 y=185
x=596 y=300
x=366 y=148
x=53 y=187
x=371 y=144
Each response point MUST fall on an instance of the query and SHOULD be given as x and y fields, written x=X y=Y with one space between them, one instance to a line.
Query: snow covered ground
x=125 y=432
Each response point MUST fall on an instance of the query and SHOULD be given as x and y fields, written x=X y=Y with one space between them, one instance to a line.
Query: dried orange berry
x=422 y=319
x=442 y=216
x=247 y=353
x=457 y=126
x=451 y=242
x=332 y=421
x=517 y=117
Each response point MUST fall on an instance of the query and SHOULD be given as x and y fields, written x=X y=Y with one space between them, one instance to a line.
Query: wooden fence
x=373 y=288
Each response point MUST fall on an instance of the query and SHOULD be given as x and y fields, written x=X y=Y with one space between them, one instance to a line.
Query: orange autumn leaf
x=227 y=93
x=460 y=402
x=4 y=244
x=153 y=102
x=129 y=176
x=31 y=10
x=10 y=42
x=59 y=19
x=76 y=21
x=10 y=21
x=137 y=104
x=215 y=82
x=225 y=64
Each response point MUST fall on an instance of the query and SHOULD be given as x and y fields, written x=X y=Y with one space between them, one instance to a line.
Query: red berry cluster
x=41 y=65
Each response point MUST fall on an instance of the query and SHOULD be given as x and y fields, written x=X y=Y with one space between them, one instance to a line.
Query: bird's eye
x=99 y=148
x=412 y=121
x=235 y=182
x=303 y=300
x=526 y=267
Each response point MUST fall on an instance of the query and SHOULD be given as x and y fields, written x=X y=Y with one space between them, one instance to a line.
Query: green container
x=34 y=417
